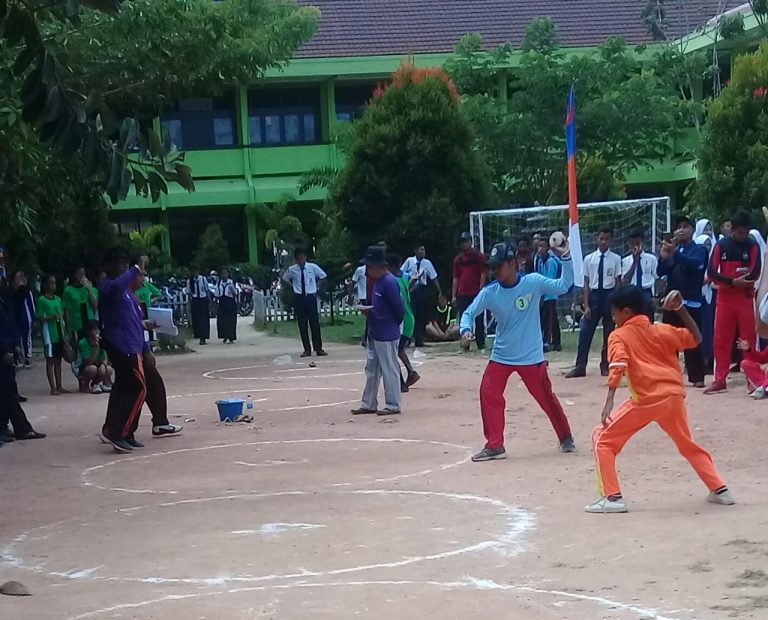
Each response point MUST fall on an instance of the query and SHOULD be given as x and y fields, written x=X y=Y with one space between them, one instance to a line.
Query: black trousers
x=201 y=321
x=10 y=409
x=226 y=319
x=135 y=383
x=550 y=324
x=694 y=358
x=419 y=297
x=463 y=302
x=601 y=311
x=305 y=307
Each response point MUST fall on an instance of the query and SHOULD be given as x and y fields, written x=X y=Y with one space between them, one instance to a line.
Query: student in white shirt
x=197 y=289
x=226 y=318
x=305 y=279
x=421 y=270
x=360 y=278
x=602 y=274
x=639 y=268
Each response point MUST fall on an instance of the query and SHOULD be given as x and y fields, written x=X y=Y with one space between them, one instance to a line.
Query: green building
x=252 y=145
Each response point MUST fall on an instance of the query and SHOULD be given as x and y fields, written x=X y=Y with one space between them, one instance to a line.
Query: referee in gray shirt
x=305 y=279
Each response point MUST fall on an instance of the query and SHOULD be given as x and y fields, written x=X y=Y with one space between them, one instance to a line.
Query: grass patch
x=345 y=330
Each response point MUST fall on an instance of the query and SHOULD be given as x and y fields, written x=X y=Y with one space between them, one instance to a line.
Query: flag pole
x=574 y=234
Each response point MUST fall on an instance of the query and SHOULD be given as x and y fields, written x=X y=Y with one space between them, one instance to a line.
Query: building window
x=351 y=100
x=283 y=116
x=202 y=123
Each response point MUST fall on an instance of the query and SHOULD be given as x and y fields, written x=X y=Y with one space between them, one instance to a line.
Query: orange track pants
x=671 y=415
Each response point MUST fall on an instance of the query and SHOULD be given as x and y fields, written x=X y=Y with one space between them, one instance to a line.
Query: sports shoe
x=362 y=411
x=759 y=394
x=724 y=498
x=388 y=412
x=95 y=389
x=716 y=387
x=119 y=445
x=321 y=353
x=166 y=429
x=136 y=445
x=567 y=445
x=306 y=354
x=490 y=454
x=413 y=378
x=605 y=506
x=576 y=373
x=106 y=388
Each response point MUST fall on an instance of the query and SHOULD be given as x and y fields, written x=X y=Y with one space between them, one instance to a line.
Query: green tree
x=147 y=243
x=212 y=251
x=70 y=69
x=734 y=150
x=282 y=231
x=412 y=173
x=626 y=115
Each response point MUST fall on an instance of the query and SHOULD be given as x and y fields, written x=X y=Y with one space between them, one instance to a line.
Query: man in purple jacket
x=136 y=381
x=384 y=319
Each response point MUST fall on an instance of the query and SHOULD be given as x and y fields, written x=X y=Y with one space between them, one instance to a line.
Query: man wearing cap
x=137 y=379
x=384 y=319
x=469 y=274
x=514 y=300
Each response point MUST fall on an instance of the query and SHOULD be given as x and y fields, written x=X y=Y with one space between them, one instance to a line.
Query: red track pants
x=755 y=373
x=492 y=403
x=733 y=313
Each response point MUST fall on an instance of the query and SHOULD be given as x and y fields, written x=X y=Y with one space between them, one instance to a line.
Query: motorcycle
x=245 y=298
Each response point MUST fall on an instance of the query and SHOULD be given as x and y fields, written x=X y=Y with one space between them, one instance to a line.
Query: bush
x=212 y=251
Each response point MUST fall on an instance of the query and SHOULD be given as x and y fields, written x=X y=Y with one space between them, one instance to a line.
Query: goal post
x=653 y=216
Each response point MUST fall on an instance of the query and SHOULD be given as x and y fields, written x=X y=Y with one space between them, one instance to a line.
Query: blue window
x=287 y=115
x=202 y=123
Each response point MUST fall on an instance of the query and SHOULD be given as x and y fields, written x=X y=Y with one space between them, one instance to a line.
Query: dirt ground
x=311 y=513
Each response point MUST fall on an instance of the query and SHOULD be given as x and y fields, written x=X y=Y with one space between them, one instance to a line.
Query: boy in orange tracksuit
x=648 y=355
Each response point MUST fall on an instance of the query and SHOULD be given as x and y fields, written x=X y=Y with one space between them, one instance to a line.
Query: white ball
x=556 y=239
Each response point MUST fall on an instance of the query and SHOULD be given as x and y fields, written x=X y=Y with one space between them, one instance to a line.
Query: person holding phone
x=735 y=267
x=684 y=262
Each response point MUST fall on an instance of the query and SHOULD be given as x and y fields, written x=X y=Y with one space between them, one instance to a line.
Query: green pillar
x=327 y=109
x=241 y=107
x=502 y=83
x=253 y=238
x=165 y=236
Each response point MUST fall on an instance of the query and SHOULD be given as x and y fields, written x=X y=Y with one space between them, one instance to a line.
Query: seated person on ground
x=92 y=366
x=442 y=326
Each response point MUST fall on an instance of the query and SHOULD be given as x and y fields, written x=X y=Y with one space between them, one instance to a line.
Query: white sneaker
x=96 y=389
x=725 y=498
x=106 y=388
x=759 y=394
x=604 y=506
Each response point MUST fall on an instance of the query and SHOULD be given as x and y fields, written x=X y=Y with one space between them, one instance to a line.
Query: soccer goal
x=651 y=215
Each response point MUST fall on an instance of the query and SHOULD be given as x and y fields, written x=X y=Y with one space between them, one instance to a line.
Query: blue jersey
x=516 y=309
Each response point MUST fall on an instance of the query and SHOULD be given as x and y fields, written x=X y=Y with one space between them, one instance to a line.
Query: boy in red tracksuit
x=734 y=267
x=752 y=366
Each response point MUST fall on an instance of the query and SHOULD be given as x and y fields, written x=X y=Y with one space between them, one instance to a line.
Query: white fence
x=273 y=307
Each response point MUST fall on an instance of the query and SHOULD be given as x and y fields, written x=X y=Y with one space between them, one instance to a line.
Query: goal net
x=651 y=215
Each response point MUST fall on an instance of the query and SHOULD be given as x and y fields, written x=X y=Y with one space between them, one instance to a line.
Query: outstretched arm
x=561 y=285
x=467 y=323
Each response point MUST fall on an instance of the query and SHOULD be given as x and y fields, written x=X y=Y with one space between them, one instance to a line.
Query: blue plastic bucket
x=229 y=409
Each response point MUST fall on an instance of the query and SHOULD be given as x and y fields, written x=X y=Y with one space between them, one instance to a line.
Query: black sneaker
x=567 y=445
x=490 y=454
x=388 y=412
x=119 y=445
x=321 y=353
x=167 y=429
x=136 y=445
x=576 y=373
x=306 y=354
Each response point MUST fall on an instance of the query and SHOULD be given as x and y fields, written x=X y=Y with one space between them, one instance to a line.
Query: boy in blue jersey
x=514 y=298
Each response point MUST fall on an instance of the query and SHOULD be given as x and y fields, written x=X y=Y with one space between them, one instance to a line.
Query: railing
x=273 y=308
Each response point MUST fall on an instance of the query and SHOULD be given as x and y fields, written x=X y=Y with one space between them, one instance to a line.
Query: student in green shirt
x=94 y=371
x=81 y=304
x=50 y=312
x=148 y=293
x=405 y=283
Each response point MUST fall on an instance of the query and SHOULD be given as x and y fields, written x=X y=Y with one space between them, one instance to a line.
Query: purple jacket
x=388 y=310
x=121 y=314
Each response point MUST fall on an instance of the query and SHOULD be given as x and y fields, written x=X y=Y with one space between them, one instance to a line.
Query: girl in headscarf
x=707 y=307
x=704 y=227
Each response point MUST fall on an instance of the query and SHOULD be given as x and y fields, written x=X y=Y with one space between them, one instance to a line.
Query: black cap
x=501 y=253
x=375 y=256
x=683 y=219
x=465 y=236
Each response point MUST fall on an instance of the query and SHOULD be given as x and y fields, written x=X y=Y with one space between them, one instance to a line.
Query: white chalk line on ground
x=210 y=374
x=467 y=583
x=259 y=390
x=85 y=474
x=509 y=544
